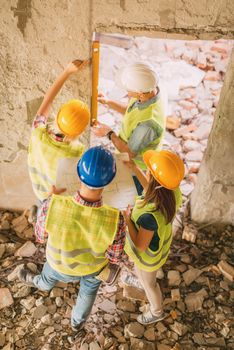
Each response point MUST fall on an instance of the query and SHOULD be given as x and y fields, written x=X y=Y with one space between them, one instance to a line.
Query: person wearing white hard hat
x=144 y=121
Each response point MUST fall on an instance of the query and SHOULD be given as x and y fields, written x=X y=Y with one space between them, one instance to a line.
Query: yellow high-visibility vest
x=135 y=115
x=149 y=260
x=43 y=155
x=78 y=235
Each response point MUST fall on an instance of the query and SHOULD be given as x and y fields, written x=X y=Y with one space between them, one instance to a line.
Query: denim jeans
x=87 y=294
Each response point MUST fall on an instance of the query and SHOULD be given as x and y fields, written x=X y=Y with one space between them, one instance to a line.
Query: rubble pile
x=197 y=283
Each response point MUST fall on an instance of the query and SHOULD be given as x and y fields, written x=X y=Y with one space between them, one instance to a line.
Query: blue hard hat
x=97 y=167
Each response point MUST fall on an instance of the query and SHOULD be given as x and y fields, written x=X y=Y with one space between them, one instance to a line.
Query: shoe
x=26 y=277
x=78 y=327
x=148 y=318
x=132 y=281
x=32 y=217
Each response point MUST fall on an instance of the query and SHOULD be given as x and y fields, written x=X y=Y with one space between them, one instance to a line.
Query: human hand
x=102 y=98
x=130 y=164
x=55 y=190
x=127 y=213
x=76 y=65
x=100 y=129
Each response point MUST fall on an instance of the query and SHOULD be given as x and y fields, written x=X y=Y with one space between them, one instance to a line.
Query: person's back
x=85 y=236
x=48 y=143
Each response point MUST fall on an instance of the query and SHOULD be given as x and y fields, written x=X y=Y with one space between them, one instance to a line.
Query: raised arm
x=71 y=68
x=138 y=172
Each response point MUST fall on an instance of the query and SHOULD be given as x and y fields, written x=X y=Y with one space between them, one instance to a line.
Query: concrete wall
x=39 y=37
x=213 y=197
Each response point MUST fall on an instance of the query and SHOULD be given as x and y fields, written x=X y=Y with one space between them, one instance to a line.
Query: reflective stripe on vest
x=139 y=113
x=149 y=260
x=43 y=155
x=79 y=236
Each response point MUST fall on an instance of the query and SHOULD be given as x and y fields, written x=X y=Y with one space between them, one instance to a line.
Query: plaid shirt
x=40 y=121
x=115 y=250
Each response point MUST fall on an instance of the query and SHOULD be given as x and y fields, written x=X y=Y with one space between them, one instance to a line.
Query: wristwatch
x=109 y=134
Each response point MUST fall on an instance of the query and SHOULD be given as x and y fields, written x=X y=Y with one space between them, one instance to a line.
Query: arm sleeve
x=40 y=231
x=115 y=250
x=39 y=121
x=148 y=222
x=144 y=134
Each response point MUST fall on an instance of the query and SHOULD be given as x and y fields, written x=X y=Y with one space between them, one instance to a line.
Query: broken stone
x=32 y=267
x=26 y=250
x=20 y=224
x=56 y=292
x=190 y=275
x=5 y=298
x=201 y=339
x=126 y=305
x=172 y=122
x=14 y=274
x=4 y=225
x=28 y=303
x=184 y=130
x=134 y=329
x=107 y=306
x=130 y=292
x=174 y=278
x=160 y=327
x=175 y=294
x=163 y=347
x=23 y=291
x=140 y=344
x=2 y=338
x=39 y=311
x=47 y=320
x=194 y=156
x=226 y=269
x=194 y=301
x=2 y=250
x=189 y=233
x=150 y=334
x=179 y=328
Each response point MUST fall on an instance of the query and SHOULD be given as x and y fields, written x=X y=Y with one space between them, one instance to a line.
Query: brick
x=5 y=298
x=20 y=224
x=194 y=156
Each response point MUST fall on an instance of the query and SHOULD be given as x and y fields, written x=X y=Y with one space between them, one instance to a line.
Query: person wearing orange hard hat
x=50 y=142
x=150 y=225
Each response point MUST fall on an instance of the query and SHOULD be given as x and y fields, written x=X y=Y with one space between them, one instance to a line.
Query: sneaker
x=78 y=327
x=132 y=281
x=148 y=318
x=26 y=277
x=32 y=217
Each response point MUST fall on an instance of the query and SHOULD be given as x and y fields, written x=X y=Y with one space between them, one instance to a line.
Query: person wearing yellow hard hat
x=144 y=121
x=49 y=143
x=150 y=225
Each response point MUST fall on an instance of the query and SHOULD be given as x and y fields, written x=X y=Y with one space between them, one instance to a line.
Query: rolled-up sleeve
x=144 y=134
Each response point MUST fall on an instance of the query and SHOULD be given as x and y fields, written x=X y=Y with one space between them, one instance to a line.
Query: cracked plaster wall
x=39 y=37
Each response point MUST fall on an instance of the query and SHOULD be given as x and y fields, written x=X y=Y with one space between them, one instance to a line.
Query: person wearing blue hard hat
x=85 y=237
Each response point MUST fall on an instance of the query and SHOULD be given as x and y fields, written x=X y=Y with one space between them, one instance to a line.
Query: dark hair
x=163 y=199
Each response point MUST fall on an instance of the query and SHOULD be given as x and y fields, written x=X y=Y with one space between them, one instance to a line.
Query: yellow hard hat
x=166 y=167
x=73 y=117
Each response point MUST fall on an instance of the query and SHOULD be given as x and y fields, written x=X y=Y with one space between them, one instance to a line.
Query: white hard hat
x=137 y=77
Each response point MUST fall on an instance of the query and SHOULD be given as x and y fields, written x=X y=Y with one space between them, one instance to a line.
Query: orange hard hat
x=73 y=117
x=166 y=167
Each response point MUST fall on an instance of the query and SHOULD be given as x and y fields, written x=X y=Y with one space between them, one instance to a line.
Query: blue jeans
x=87 y=294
